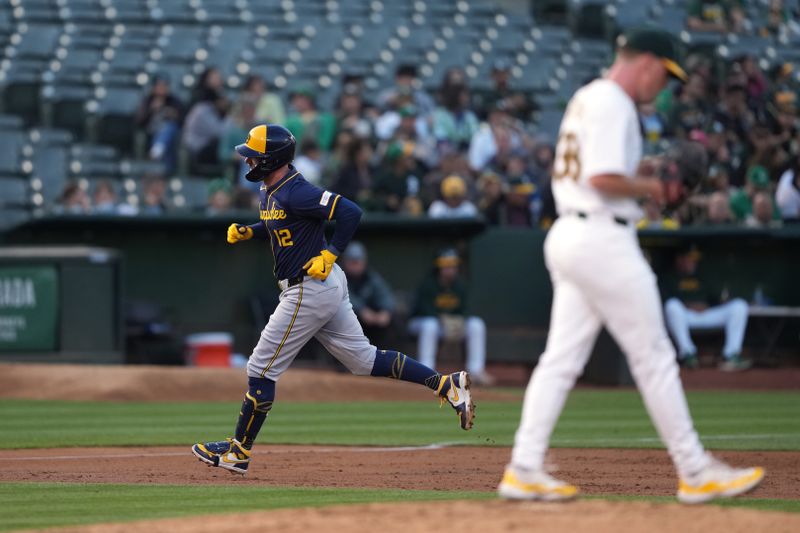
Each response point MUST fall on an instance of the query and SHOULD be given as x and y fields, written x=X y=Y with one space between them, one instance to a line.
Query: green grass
x=39 y=505
x=592 y=418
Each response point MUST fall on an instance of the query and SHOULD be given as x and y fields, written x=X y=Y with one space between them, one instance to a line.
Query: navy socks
x=396 y=365
x=255 y=408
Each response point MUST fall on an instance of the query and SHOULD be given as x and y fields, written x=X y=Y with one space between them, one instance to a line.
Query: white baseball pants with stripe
x=600 y=278
x=313 y=308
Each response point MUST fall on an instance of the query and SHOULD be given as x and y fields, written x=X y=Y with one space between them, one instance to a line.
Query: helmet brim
x=245 y=151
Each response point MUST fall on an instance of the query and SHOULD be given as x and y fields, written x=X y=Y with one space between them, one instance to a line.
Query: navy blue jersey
x=294 y=212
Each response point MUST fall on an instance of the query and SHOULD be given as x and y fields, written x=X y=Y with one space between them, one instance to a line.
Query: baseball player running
x=314 y=301
x=600 y=278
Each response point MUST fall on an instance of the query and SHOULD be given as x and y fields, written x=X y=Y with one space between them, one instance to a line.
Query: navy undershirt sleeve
x=259 y=230
x=347 y=216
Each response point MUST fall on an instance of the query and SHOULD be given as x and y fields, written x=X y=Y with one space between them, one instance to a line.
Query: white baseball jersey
x=787 y=196
x=599 y=134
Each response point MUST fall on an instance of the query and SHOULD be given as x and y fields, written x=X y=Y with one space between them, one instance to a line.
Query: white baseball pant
x=732 y=316
x=429 y=330
x=600 y=277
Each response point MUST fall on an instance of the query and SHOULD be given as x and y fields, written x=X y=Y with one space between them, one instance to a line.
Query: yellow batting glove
x=239 y=232
x=320 y=267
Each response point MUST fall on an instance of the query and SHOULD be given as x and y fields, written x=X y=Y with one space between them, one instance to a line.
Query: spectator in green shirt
x=440 y=311
x=269 y=107
x=305 y=121
x=742 y=199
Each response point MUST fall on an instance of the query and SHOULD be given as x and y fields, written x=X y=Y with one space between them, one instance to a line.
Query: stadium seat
x=14 y=192
x=65 y=107
x=111 y=121
x=46 y=137
x=11 y=143
x=37 y=41
x=10 y=217
x=50 y=169
x=10 y=122
x=189 y=193
x=591 y=19
x=136 y=168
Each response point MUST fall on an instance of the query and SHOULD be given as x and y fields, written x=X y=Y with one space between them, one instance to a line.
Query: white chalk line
x=392 y=449
x=343 y=449
x=648 y=440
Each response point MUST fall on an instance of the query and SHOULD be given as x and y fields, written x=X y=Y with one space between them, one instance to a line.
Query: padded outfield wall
x=184 y=264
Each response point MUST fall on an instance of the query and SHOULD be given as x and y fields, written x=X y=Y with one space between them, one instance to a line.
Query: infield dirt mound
x=477 y=516
x=168 y=384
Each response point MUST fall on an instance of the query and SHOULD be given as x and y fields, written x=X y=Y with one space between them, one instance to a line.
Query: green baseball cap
x=219 y=184
x=657 y=42
x=758 y=176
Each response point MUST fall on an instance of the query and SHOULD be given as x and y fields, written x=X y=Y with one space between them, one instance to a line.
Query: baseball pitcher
x=314 y=301
x=601 y=278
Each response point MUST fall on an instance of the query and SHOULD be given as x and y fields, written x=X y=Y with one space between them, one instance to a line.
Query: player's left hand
x=320 y=267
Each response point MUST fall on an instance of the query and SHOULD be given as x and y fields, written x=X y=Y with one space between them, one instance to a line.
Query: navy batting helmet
x=272 y=145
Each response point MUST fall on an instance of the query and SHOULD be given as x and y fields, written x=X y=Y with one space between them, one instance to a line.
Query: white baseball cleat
x=534 y=485
x=458 y=395
x=718 y=480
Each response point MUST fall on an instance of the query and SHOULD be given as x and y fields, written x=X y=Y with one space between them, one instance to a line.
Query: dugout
x=183 y=263
x=60 y=304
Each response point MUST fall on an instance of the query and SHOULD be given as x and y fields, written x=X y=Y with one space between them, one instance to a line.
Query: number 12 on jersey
x=284 y=237
x=568 y=162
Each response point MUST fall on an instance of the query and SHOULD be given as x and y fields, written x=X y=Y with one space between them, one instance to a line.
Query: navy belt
x=619 y=220
x=297 y=280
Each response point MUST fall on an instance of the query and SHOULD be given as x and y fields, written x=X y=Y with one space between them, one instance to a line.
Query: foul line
x=647 y=440
x=393 y=449
x=343 y=449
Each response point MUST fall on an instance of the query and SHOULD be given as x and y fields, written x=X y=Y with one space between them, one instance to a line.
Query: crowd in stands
x=459 y=152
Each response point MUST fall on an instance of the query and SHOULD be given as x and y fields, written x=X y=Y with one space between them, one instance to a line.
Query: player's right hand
x=320 y=267
x=239 y=232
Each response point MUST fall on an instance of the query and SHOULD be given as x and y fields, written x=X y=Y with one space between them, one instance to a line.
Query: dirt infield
x=167 y=384
x=596 y=471
x=171 y=384
x=482 y=517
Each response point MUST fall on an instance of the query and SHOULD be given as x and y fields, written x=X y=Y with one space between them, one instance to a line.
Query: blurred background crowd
x=433 y=135
x=462 y=152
